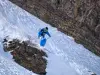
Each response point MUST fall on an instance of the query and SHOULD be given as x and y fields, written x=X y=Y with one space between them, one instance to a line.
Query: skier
x=42 y=32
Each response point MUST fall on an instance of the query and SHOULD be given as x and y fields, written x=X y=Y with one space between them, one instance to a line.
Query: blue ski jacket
x=42 y=33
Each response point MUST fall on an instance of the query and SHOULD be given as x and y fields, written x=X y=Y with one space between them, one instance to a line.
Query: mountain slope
x=8 y=67
x=64 y=55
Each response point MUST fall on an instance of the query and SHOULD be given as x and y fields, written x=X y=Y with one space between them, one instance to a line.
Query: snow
x=65 y=57
x=8 y=67
x=57 y=66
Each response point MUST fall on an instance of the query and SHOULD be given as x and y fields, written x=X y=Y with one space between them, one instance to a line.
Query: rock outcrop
x=78 y=18
x=27 y=56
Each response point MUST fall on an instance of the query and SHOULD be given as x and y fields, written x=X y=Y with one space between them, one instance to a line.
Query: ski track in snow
x=65 y=56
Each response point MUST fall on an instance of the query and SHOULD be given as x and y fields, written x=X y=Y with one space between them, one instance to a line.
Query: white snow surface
x=65 y=57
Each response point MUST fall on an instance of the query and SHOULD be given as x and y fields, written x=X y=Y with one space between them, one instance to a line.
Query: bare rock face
x=27 y=56
x=97 y=30
x=78 y=18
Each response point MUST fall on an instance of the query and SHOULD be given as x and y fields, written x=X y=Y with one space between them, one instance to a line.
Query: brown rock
x=27 y=56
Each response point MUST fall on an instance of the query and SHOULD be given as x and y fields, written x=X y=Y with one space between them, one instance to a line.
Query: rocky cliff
x=78 y=18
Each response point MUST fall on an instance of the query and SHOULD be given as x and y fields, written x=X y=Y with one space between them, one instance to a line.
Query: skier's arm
x=39 y=34
x=48 y=34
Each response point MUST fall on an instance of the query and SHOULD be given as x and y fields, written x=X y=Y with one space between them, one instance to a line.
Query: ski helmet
x=46 y=28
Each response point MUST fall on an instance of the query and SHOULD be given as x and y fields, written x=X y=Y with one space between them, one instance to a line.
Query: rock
x=97 y=30
x=27 y=56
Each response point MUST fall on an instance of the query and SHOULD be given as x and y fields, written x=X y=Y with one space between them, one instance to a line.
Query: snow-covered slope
x=8 y=67
x=65 y=56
